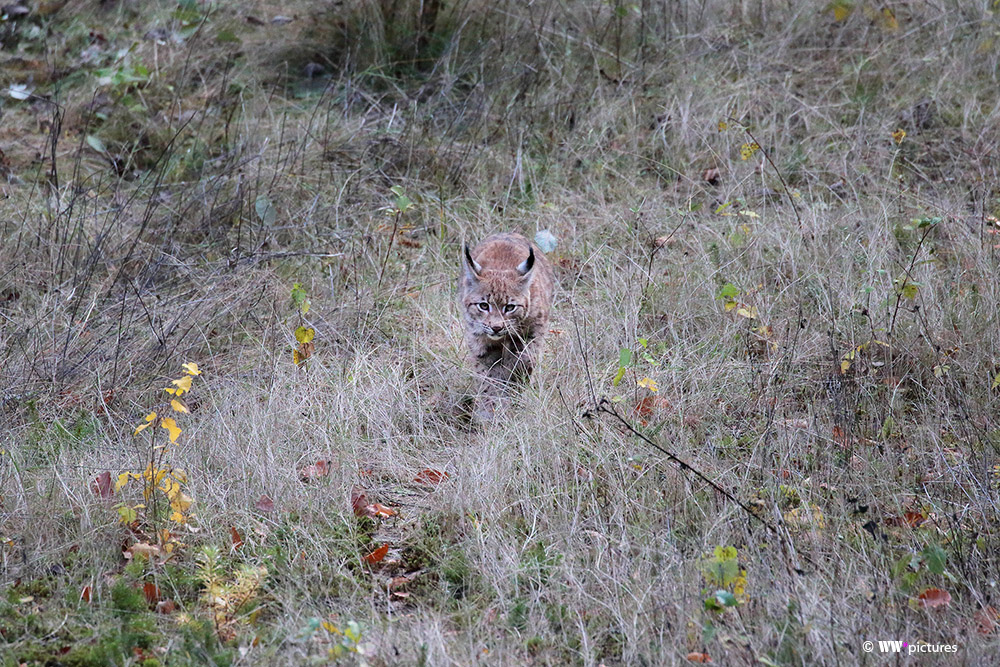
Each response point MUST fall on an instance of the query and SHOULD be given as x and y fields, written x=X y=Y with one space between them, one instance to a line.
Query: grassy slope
x=558 y=537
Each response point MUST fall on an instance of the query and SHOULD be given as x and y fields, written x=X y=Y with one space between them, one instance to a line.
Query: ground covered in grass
x=765 y=430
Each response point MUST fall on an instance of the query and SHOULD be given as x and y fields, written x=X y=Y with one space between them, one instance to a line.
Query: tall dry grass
x=558 y=537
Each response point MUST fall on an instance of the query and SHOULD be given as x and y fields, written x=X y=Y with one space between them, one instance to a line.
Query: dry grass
x=558 y=536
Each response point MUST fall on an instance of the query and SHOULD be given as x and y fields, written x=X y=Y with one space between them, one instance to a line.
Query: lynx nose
x=496 y=329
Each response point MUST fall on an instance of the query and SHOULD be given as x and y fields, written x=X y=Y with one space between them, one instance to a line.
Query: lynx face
x=497 y=300
x=506 y=295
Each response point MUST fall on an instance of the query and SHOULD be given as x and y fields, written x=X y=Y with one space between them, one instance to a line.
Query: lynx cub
x=506 y=295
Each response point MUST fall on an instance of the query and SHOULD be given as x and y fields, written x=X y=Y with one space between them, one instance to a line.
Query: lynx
x=505 y=294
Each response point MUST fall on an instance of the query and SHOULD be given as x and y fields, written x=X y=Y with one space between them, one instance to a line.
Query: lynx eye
x=483 y=306
x=509 y=308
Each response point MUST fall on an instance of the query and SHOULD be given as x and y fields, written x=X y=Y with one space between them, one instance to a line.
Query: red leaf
x=165 y=607
x=430 y=477
x=102 y=485
x=698 y=657
x=359 y=501
x=85 y=594
x=152 y=593
x=234 y=535
x=265 y=504
x=377 y=555
x=934 y=597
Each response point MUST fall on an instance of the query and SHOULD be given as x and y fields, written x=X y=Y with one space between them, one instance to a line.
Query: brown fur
x=510 y=275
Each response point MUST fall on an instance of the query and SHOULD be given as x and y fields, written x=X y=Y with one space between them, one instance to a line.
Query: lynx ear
x=524 y=268
x=472 y=268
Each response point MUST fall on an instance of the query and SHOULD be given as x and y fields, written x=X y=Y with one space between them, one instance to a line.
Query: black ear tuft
x=472 y=265
x=524 y=267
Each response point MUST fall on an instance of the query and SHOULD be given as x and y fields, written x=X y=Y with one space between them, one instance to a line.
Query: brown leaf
x=359 y=501
x=694 y=656
x=430 y=477
x=151 y=591
x=166 y=607
x=911 y=519
x=377 y=555
x=320 y=469
x=399 y=582
x=235 y=537
x=380 y=510
x=934 y=597
x=102 y=485
x=150 y=551
x=85 y=594
x=265 y=504
x=987 y=620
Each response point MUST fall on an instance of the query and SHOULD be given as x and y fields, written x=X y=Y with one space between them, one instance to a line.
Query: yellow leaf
x=996 y=382
x=171 y=426
x=889 y=21
x=191 y=368
x=178 y=406
x=304 y=335
x=182 y=385
x=845 y=366
x=297 y=357
x=177 y=517
x=747 y=150
x=899 y=135
x=650 y=384
x=748 y=312
x=149 y=420
x=729 y=305
x=841 y=10
x=181 y=502
x=723 y=126
x=122 y=481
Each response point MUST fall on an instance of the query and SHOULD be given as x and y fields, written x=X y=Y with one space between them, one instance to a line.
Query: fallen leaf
x=359 y=501
x=377 y=555
x=987 y=620
x=85 y=594
x=234 y=535
x=430 y=477
x=102 y=485
x=265 y=504
x=151 y=591
x=934 y=597
x=378 y=509
x=315 y=471
x=694 y=656
x=398 y=582
x=911 y=519
x=166 y=607
x=143 y=549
